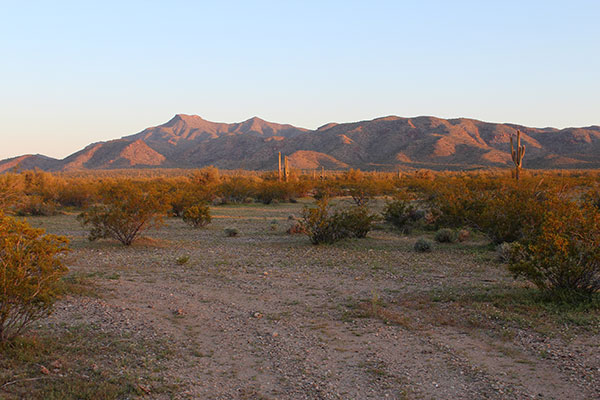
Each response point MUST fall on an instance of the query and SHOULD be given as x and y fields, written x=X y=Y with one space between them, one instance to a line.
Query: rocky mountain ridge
x=387 y=143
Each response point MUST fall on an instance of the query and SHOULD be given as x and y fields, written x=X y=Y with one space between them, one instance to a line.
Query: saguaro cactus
x=517 y=154
x=286 y=168
x=279 y=170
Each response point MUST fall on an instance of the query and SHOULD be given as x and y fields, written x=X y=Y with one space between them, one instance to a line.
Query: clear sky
x=72 y=73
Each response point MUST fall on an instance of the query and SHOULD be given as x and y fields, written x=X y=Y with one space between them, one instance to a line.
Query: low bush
x=30 y=270
x=356 y=221
x=231 y=232
x=197 y=215
x=501 y=210
x=36 y=206
x=562 y=255
x=182 y=260
x=504 y=252
x=463 y=235
x=446 y=235
x=401 y=214
x=126 y=211
x=322 y=224
x=423 y=246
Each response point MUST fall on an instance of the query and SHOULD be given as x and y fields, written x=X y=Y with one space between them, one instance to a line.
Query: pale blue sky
x=73 y=73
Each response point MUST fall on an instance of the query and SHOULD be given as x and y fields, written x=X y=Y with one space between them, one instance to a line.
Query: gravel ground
x=267 y=315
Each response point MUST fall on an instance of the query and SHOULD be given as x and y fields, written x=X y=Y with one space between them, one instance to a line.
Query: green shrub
x=401 y=214
x=563 y=253
x=36 y=206
x=237 y=190
x=30 y=269
x=423 y=245
x=355 y=221
x=182 y=260
x=231 y=232
x=446 y=235
x=320 y=224
x=197 y=215
x=501 y=210
x=125 y=212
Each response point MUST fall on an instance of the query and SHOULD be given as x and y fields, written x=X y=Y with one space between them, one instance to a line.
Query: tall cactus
x=286 y=169
x=279 y=170
x=517 y=154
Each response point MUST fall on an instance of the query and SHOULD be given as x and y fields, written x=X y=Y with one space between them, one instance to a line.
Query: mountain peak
x=185 y=118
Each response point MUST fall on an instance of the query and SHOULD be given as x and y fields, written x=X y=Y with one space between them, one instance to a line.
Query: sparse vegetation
x=231 y=232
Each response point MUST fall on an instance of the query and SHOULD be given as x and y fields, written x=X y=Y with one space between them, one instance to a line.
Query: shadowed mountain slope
x=188 y=141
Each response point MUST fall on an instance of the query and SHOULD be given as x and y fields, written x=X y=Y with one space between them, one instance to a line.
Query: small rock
x=257 y=315
x=44 y=370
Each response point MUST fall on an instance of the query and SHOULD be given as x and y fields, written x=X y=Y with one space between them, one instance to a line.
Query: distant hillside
x=188 y=141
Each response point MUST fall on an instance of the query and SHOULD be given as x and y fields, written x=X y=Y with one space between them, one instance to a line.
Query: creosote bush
x=197 y=215
x=356 y=221
x=446 y=235
x=422 y=245
x=401 y=214
x=30 y=268
x=126 y=211
x=322 y=224
x=562 y=255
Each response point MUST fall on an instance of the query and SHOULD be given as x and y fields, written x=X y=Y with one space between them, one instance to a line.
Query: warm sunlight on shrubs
x=30 y=268
x=125 y=211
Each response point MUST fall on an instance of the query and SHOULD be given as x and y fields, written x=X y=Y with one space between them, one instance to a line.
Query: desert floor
x=267 y=315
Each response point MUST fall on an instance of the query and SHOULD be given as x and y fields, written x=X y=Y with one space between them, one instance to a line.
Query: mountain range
x=388 y=143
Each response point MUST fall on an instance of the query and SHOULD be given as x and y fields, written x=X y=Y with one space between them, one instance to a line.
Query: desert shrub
x=401 y=214
x=326 y=190
x=182 y=260
x=355 y=221
x=504 y=252
x=187 y=194
x=36 y=206
x=321 y=225
x=362 y=191
x=30 y=269
x=593 y=198
x=446 y=235
x=563 y=253
x=10 y=190
x=269 y=192
x=207 y=176
x=76 y=194
x=296 y=228
x=231 y=232
x=422 y=245
x=501 y=210
x=126 y=211
x=236 y=189
x=463 y=235
x=197 y=215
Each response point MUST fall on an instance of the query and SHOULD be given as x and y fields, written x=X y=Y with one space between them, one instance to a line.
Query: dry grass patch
x=80 y=362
